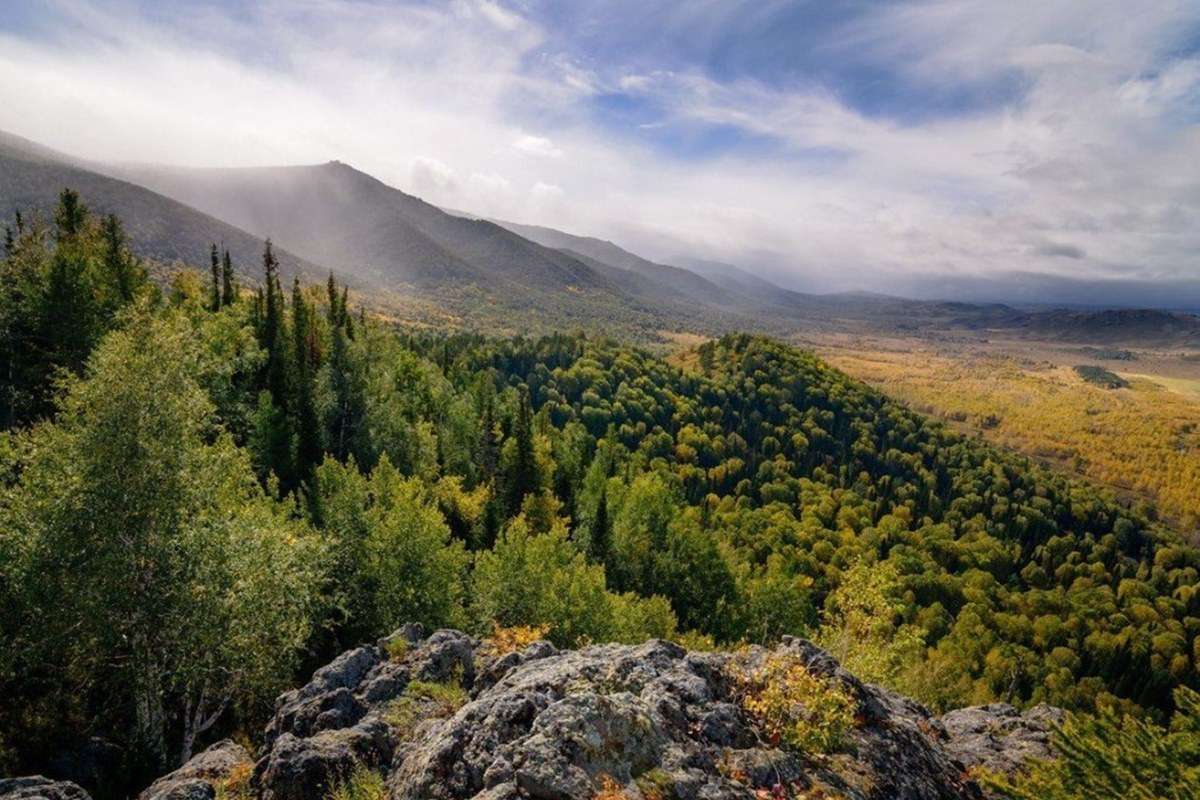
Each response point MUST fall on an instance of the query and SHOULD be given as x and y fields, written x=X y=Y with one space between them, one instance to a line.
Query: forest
x=210 y=487
x=1142 y=441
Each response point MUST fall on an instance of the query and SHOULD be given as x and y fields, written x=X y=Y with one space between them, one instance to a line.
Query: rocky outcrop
x=199 y=777
x=998 y=737
x=39 y=788
x=445 y=717
x=653 y=720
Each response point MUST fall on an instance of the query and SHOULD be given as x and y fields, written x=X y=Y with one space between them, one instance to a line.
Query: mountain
x=1146 y=327
x=159 y=228
x=735 y=278
x=335 y=214
x=745 y=294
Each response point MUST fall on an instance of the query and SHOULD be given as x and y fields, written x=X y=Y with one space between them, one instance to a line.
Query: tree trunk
x=149 y=716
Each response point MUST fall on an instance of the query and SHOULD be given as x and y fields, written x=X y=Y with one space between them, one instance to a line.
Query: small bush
x=236 y=785
x=794 y=707
x=656 y=784
x=516 y=637
x=610 y=790
x=397 y=648
x=423 y=700
x=360 y=784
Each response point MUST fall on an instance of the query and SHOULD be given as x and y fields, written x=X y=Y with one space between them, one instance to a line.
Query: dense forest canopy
x=206 y=490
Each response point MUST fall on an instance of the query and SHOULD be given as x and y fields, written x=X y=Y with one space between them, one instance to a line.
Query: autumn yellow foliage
x=1142 y=440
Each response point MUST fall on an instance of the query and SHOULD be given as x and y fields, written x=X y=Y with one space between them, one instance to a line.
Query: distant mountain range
x=402 y=253
x=162 y=229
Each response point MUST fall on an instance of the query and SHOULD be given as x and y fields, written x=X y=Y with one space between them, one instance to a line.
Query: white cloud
x=433 y=179
x=537 y=146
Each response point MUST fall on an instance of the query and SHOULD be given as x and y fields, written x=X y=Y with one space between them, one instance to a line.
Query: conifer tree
x=215 y=295
x=346 y=318
x=228 y=288
x=123 y=272
x=69 y=312
x=598 y=544
x=273 y=334
x=308 y=448
x=522 y=477
x=71 y=215
x=485 y=456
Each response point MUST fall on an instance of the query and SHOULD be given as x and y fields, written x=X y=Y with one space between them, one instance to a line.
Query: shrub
x=236 y=785
x=423 y=700
x=513 y=638
x=1115 y=757
x=361 y=784
x=794 y=707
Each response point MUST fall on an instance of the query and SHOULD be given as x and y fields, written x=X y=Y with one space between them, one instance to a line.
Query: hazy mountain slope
x=1146 y=327
x=339 y=215
x=738 y=279
x=673 y=282
x=159 y=228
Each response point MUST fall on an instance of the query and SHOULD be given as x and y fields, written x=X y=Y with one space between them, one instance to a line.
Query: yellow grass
x=1141 y=440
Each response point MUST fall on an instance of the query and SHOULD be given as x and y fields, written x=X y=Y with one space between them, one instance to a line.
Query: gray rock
x=303 y=769
x=199 y=777
x=554 y=725
x=37 y=787
x=998 y=737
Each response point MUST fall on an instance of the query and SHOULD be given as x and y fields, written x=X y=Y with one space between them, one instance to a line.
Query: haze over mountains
x=397 y=247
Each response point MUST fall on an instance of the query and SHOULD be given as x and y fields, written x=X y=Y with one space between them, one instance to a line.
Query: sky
x=1040 y=151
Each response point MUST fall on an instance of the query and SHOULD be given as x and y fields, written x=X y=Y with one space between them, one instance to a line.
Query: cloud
x=1058 y=138
x=537 y=146
x=1060 y=250
x=433 y=179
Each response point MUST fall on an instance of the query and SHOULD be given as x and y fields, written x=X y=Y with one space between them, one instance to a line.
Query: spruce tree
x=70 y=217
x=215 y=297
x=333 y=312
x=228 y=288
x=346 y=318
x=308 y=446
x=122 y=271
x=598 y=544
x=522 y=477
x=273 y=331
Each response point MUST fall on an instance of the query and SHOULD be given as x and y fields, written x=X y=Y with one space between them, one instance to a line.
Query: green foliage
x=228 y=489
x=541 y=579
x=860 y=630
x=793 y=706
x=392 y=558
x=1116 y=757
x=58 y=296
x=361 y=784
x=147 y=563
x=1101 y=377
x=423 y=700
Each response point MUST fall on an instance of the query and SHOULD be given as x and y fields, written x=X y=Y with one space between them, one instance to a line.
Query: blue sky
x=897 y=146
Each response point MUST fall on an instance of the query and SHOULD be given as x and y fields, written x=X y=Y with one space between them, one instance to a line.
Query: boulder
x=37 y=787
x=998 y=737
x=199 y=777
x=652 y=720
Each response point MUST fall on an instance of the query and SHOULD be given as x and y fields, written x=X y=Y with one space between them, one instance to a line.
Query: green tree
x=522 y=475
x=392 y=556
x=1112 y=756
x=153 y=569
x=228 y=282
x=542 y=579
x=215 y=295
x=308 y=427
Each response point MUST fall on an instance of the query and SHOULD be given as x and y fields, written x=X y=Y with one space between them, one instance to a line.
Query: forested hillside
x=206 y=491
